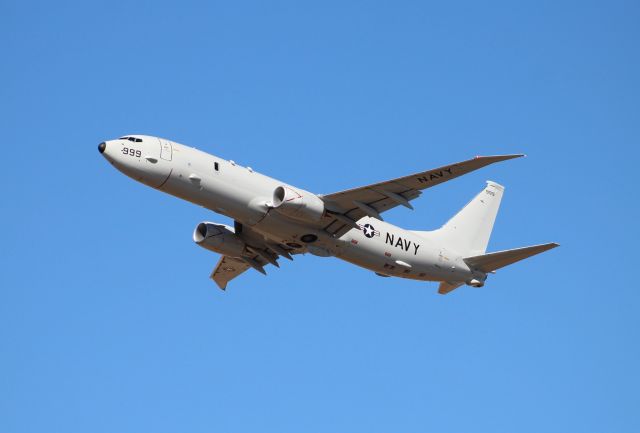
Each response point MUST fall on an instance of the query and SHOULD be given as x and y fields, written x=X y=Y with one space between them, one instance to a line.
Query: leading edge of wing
x=429 y=178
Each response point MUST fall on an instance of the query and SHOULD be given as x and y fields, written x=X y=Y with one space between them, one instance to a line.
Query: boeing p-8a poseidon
x=273 y=219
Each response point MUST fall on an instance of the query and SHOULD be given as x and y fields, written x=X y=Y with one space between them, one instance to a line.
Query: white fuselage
x=245 y=195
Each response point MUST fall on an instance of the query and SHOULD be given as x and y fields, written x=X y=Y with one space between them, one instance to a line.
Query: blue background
x=108 y=322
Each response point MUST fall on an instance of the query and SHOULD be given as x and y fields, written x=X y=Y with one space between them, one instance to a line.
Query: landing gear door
x=165 y=150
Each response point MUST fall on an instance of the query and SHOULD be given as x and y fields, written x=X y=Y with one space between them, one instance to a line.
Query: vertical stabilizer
x=469 y=230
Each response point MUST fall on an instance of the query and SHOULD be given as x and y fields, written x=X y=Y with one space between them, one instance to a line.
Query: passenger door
x=165 y=150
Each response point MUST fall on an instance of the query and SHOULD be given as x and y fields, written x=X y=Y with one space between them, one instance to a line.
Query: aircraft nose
x=102 y=146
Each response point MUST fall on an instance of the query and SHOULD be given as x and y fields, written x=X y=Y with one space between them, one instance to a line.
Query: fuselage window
x=216 y=166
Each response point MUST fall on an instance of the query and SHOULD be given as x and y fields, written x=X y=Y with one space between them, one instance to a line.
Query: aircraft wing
x=262 y=254
x=227 y=269
x=448 y=286
x=230 y=267
x=349 y=206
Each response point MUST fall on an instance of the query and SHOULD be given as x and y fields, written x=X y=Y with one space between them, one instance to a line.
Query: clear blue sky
x=108 y=322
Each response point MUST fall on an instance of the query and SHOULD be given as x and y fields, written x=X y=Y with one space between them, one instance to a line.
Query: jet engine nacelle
x=475 y=283
x=218 y=238
x=298 y=204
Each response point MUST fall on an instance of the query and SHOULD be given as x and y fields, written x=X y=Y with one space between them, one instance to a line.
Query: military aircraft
x=273 y=219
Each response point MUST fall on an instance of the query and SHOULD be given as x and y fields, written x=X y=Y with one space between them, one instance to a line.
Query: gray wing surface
x=448 y=286
x=227 y=269
x=262 y=253
x=351 y=205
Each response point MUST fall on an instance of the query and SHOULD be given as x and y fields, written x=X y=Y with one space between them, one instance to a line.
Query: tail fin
x=492 y=261
x=469 y=230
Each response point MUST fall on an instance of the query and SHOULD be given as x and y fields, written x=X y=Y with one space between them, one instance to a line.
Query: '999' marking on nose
x=131 y=152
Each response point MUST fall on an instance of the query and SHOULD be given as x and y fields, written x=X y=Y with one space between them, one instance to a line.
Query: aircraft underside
x=274 y=220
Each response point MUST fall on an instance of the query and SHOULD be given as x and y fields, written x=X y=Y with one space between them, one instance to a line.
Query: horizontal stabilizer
x=492 y=261
x=446 y=287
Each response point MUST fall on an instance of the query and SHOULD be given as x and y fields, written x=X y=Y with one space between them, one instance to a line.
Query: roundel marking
x=368 y=230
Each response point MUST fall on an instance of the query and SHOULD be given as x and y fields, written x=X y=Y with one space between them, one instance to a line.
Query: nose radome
x=102 y=146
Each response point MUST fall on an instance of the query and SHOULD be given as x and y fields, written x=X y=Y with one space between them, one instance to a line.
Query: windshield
x=134 y=139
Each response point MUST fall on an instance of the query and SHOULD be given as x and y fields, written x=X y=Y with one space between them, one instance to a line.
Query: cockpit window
x=135 y=140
